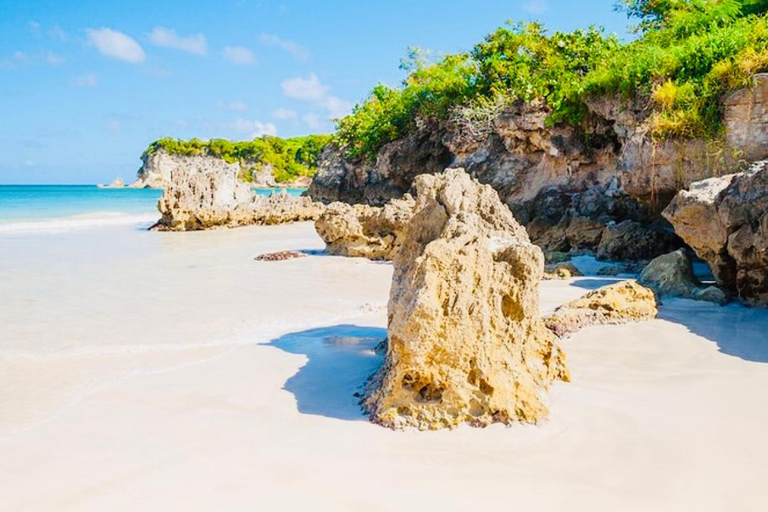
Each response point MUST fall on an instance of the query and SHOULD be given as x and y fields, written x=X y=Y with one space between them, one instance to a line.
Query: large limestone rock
x=672 y=274
x=725 y=220
x=206 y=193
x=618 y=303
x=365 y=231
x=466 y=342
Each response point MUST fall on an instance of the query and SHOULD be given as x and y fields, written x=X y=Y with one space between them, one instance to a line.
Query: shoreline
x=269 y=415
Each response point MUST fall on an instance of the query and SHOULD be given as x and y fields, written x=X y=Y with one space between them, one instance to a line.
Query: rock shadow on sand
x=738 y=330
x=340 y=360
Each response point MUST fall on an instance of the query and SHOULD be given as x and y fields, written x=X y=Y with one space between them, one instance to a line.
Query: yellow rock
x=466 y=342
x=618 y=303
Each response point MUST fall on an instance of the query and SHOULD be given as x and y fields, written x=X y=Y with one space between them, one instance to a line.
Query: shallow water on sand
x=83 y=308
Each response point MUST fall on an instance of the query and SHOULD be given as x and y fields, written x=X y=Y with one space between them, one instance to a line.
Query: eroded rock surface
x=365 y=231
x=618 y=303
x=725 y=221
x=466 y=342
x=206 y=193
x=672 y=274
x=566 y=184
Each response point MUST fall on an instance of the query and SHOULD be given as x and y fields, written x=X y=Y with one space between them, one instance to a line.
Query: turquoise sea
x=60 y=207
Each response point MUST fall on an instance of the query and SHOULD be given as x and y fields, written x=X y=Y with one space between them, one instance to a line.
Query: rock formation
x=672 y=274
x=116 y=183
x=725 y=221
x=206 y=193
x=280 y=256
x=633 y=241
x=158 y=168
x=561 y=271
x=466 y=343
x=365 y=231
x=618 y=303
x=565 y=184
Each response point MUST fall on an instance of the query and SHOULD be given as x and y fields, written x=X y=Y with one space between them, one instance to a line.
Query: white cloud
x=21 y=57
x=305 y=89
x=34 y=27
x=53 y=59
x=87 y=80
x=296 y=50
x=536 y=7
x=254 y=128
x=16 y=60
x=311 y=90
x=57 y=33
x=115 y=44
x=284 y=114
x=336 y=107
x=168 y=38
x=313 y=121
x=239 y=55
x=232 y=106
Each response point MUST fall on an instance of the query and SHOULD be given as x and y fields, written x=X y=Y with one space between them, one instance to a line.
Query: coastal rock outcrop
x=672 y=274
x=158 y=168
x=725 y=221
x=365 y=231
x=566 y=184
x=561 y=271
x=206 y=193
x=466 y=342
x=618 y=303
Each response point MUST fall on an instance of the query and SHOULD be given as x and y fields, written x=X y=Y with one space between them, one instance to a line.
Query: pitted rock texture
x=466 y=342
x=365 y=231
x=725 y=221
x=206 y=192
x=672 y=274
x=618 y=303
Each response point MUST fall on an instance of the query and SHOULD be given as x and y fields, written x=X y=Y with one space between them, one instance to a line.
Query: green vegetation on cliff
x=687 y=55
x=289 y=158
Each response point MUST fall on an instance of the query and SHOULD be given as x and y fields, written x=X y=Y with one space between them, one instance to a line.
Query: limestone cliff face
x=157 y=170
x=608 y=171
x=466 y=342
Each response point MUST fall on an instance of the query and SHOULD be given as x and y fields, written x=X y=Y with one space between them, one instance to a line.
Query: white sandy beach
x=171 y=371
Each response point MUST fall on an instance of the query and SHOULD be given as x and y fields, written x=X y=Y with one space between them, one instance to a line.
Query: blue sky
x=85 y=85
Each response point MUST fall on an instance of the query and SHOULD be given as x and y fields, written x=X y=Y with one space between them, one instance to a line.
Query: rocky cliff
x=158 y=167
x=604 y=172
